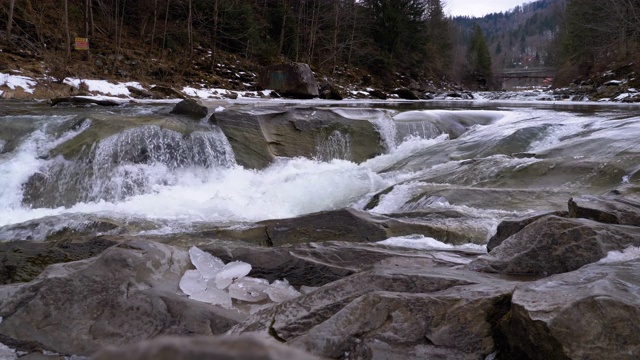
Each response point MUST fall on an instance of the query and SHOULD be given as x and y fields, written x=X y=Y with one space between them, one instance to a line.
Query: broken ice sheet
x=213 y=296
x=192 y=282
x=281 y=291
x=231 y=271
x=249 y=289
x=207 y=264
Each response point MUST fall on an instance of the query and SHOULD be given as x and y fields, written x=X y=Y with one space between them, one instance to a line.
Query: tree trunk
x=283 y=26
x=66 y=29
x=214 y=35
x=10 y=19
x=164 y=35
x=190 y=28
x=155 y=20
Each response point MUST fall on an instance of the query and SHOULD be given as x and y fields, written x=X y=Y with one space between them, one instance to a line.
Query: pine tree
x=479 y=59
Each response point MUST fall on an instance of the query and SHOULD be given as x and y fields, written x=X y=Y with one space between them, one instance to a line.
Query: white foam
x=422 y=242
x=628 y=254
x=7 y=353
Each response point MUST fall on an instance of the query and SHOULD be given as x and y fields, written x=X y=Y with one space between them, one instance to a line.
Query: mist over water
x=162 y=176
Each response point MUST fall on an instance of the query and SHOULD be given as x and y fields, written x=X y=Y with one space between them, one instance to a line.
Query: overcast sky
x=479 y=8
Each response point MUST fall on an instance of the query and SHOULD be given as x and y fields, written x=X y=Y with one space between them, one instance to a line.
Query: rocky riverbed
x=402 y=232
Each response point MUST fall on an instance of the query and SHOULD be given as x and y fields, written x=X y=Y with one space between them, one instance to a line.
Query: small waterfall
x=336 y=146
x=129 y=163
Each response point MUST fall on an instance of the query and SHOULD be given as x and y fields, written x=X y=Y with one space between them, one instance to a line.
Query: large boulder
x=258 y=136
x=126 y=294
x=552 y=245
x=509 y=227
x=592 y=313
x=204 y=348
x=291 y=80
x=191 y=108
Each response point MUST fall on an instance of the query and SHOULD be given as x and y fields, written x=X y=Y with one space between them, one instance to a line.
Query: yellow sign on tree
x=82 y=43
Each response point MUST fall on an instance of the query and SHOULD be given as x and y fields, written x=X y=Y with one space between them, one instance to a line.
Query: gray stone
x=552 y=245
x=191 y=108
x=506 y=228
x=592 y=313
x=610 y=210
x=392 y=309
x=406 y=94
x=244 y=347
x=258 y=136
x=128 y=293
x=290 y=80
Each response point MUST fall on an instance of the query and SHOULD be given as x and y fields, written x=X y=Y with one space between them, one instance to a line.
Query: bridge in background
x=526 y=77
x=527 y=73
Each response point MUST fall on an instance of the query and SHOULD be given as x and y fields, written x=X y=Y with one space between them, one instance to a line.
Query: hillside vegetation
x=380 y=43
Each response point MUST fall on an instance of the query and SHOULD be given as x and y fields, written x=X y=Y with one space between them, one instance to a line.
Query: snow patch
x=15 y=81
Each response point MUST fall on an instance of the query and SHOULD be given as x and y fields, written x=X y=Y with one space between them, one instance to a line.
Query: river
x=519 y=158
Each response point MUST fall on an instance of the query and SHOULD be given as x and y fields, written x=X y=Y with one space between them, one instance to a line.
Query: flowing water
x=488 y=161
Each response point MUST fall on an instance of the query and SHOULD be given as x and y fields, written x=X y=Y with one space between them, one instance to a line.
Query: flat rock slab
x=610 y=210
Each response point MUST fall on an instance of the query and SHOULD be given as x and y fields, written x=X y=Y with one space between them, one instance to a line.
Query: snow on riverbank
x=129 y=90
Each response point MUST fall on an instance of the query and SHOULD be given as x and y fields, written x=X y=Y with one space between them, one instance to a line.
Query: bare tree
x=10 y=19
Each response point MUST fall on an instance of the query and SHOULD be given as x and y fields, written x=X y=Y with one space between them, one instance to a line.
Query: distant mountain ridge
x=522 y=37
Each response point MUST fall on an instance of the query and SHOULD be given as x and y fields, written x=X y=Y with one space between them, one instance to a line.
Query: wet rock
x=507 y=228
x=139 y=93
x=398 y=310
x=76 y=100
x=126 y=294
x=317 y=264
x=378 y=94
x=22 y=261
x=163 y=92
x=290 y=80
x=228 y=347
x=610 y=210
x=352 y=225
x=191 y=108
x=406 y=94
x=258 y=136
x=331 y=93
x=553 y=245
x=427 y=125
x=591 y=313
